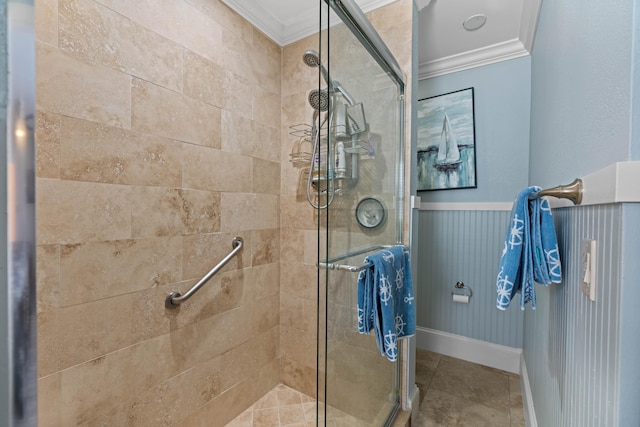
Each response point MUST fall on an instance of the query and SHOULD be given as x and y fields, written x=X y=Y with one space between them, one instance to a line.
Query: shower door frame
x=18 y=393
x=351 y=15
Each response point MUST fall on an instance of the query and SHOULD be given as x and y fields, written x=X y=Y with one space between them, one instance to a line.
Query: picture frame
x=447 y=141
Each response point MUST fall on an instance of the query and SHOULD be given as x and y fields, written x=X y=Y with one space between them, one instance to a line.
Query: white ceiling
x=444 y=45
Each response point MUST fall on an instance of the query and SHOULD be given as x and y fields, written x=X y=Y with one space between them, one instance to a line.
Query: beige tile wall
x=160 y=132
x=158 y=141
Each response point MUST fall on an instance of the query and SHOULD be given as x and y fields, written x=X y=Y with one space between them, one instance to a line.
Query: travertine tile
x=265 y=314
x=244 y=136
x=156 y=211
x=160 y=111
x=297 y=312
x=204 y=80
x=297 y=213
x=183 y=24
x=201 y=252
x=266 y=177
x=288 y=396
x=130 y=366
x=297 y=375
x=299 y=279
x=225 y=16
x=311 y=246
x=49 y=398
x=99 y=153
x=299 y=75
x=239 y=134
x=247 y=211
x=236 y=52
x=515 y=392
x=263 y=281
x=167 y=403
x=269 y=400
x=214 y=170
x=292 y=245
x=291 y=415
x=476 y=383
x=75 y=212
x=74 y=88
x=445 y=409
x=266 y=417
x=46 y=21
x=237 y=94
x=98 y=328
x=225 y=407
x=265 y=60
x=426 y=364
x=200 y=211
x=121 y=6
x=98 y=34
x=117 y=267
x=48 y=277
x=243 y=420
x=265 y=247
x=298 y=346
x=517 y=417
x=47 y=145
x=269 y=142
x=250 y=359
x=266 y=107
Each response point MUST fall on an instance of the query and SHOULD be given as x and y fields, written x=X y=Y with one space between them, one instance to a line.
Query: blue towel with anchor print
x=385 y=299
x=530 y=253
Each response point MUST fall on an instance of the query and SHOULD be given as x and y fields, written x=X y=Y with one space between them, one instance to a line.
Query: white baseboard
x=469 y=349
x=527 y=398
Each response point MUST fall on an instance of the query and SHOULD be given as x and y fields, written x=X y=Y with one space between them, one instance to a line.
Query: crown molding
x=421 y=4
x=529 y=22
x=287 y=32
x=509 y=49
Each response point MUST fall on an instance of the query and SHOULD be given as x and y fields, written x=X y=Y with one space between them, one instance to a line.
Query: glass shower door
x=363 y=201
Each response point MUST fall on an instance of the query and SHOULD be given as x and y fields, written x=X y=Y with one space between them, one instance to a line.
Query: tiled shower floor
x=453 y=392
x=282 y=406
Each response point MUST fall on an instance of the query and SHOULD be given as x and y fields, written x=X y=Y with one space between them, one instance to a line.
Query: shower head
x=319 y=99
x=312 y=59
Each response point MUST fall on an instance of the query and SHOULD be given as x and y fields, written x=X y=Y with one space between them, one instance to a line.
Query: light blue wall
x=581 y=86
x=571 y=344
x=502 y=98
x=582 y=355
x=466 y=245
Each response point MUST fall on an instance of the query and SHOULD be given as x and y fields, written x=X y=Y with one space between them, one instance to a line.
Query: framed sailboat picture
x=446 y=141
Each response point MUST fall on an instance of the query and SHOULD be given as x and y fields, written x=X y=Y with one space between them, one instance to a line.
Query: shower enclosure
x=159 y=130
x=357 y=182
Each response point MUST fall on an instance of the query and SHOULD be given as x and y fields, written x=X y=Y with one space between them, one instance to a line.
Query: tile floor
x=453 y=392
x=282 y=406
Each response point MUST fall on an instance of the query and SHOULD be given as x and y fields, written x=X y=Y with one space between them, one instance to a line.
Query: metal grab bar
x=571 y=191
x=174 y=299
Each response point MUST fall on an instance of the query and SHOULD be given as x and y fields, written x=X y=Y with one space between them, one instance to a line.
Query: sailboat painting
x=446 y=141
